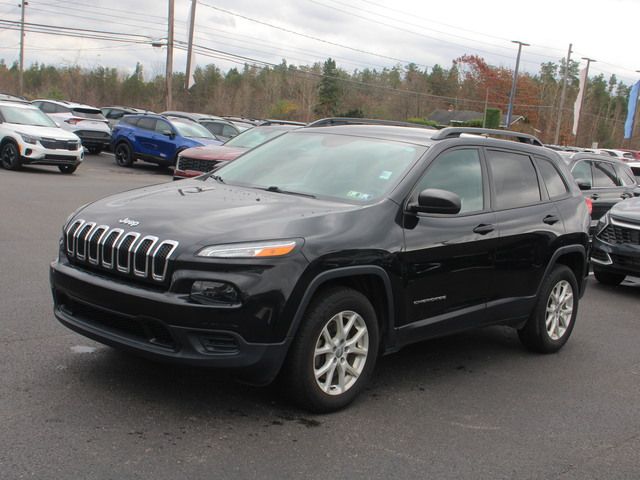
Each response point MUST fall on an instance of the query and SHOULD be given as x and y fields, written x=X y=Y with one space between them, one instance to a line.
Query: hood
x=47 y=132
x=198 y=213
x=213 y=152
x=627 y=210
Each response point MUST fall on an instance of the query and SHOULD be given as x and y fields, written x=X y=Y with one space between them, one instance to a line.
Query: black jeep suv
x=317 y=251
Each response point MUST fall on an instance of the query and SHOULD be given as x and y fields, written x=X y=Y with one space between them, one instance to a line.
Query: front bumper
x=159 y=325
x=39 y=155
x=620 y=258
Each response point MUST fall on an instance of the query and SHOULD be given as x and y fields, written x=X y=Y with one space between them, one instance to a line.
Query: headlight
x=277 y=248
x=29 y=138
x=602 y=223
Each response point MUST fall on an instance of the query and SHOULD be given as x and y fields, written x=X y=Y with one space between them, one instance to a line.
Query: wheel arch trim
x=567 y=250
x=345 y=272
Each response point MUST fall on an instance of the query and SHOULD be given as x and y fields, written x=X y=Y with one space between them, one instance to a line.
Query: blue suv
x=156 y=139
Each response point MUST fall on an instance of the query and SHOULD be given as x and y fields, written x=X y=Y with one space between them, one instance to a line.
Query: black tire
x=124 y=155
x=608 y=278
x=67 y=169
x=298 y=375
x=95 y=150
x=10 y=156
x=535 y=335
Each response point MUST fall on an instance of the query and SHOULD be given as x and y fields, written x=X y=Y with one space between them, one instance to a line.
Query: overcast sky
x=357 y=33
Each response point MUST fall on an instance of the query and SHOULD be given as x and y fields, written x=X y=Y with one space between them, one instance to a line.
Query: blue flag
x=631 y=110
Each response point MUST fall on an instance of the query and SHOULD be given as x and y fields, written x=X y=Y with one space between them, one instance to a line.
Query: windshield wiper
x=217 y=178
x=276 y=189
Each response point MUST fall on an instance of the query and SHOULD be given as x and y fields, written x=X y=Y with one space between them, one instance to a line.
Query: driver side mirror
x=171 y=135
x=584 y=185
x=434 y=200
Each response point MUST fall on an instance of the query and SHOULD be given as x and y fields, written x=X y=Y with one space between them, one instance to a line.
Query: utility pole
x=192 y=27
x=169 y=73
x=584 y=94
x=562 y=95
x=512 y=95
x=21 y=69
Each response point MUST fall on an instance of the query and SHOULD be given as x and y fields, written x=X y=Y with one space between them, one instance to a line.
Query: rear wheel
x=10 y=156
x=124 y=155
x=67 y=168
x=334 y=352
x=608 y=278
x=552 y=320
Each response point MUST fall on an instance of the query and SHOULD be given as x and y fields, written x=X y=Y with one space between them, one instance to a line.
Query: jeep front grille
x=198 y=165
x=114 y=250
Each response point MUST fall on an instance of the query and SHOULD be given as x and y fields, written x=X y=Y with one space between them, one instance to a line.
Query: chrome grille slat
x=121 y=252
x=107 y=247
x=146 y=250
x=100 y=232
x=163 y=260
x=70 y=236
x=81 y=239
x=124 y=249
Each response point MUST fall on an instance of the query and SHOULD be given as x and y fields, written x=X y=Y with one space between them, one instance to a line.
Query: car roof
x=66 y=103
x=17 y=103
x=192 y=116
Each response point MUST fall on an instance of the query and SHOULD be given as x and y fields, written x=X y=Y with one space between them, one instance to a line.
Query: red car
x=198 y=160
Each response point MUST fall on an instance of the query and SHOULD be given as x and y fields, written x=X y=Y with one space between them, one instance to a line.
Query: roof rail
x=331 y=121
x=453 y=132
x=271 y=121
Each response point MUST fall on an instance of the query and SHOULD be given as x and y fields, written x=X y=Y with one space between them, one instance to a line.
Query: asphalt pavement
x=471 y=406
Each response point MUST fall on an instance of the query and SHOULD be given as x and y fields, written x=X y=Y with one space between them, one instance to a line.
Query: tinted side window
x=604 y=175
x=147 y=123
x=582 y=172
x=163 y=127
x=215 y=128
x=514 y=179
x=552 y=178
x=48 y=107
x=130 y=120
x=457 y=171
x=60 y=109
x=229 y=131
x=625 y=175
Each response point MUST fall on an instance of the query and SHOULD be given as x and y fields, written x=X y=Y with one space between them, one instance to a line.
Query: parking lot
x=475 y=405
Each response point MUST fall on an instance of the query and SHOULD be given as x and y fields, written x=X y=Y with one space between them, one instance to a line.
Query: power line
x=311 y=37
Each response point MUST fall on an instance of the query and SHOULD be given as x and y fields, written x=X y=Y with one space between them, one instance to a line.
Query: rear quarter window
x=553 y=180
x=514 y=177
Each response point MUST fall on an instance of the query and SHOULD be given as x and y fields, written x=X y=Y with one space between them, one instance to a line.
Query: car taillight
x=589 y=203
x=73 y=120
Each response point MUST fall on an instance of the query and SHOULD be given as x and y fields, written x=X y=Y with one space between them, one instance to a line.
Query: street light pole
x=562 y=96
x=512 y=95
x=21 y=67
x=169 y=73
x=584 y=94
x=192 y=26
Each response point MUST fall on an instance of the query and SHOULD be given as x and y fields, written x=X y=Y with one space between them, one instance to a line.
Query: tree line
x=306 y=92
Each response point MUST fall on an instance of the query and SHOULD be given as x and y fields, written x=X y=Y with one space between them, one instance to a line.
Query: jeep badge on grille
x=128 y=221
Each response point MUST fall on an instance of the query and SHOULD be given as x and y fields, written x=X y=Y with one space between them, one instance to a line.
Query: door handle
x=595 y=196
x=484 y=228
x=626 y=195
x=550 y=219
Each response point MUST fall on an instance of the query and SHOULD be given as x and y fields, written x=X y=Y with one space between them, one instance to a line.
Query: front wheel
x=552 y=320
x=124 y=155
x=10 y=156
x=334 y=353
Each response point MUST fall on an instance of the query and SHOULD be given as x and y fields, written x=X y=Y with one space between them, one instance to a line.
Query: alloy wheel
x=559 y=310
x=341 y=352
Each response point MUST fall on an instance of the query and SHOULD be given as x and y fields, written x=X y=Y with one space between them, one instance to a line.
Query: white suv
x=28 y=136
x=85 y=121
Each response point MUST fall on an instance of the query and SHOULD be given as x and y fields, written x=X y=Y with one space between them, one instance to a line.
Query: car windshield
x=347 y=168
x=191 y=129
x=25 y=116
x=254 y=137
